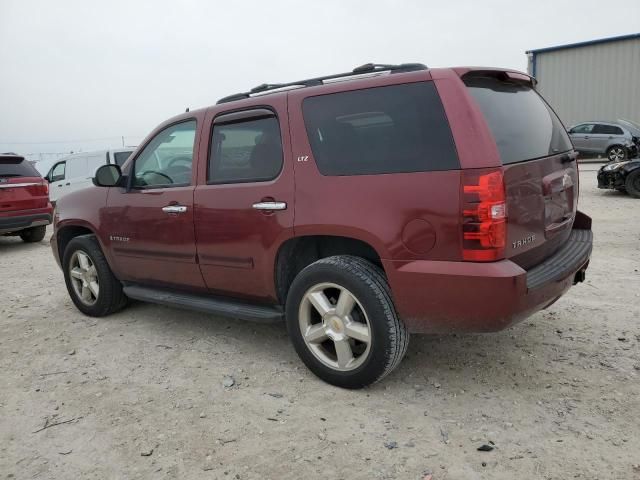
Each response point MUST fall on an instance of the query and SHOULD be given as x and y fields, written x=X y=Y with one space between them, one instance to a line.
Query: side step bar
x=208 y=304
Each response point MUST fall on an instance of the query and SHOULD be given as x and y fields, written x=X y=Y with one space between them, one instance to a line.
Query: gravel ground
x=145 y=394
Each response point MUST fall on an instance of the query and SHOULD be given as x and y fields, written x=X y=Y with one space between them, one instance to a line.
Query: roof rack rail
x=367 y=68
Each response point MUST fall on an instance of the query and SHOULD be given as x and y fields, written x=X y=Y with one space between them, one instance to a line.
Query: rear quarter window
x=17 y=167
x=523 y=125
x=392 y=129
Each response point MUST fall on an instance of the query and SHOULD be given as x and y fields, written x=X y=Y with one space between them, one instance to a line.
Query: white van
x=75 y=171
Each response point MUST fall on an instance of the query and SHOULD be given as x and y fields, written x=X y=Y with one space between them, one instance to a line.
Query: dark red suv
x=360 y=207
x=25 y=209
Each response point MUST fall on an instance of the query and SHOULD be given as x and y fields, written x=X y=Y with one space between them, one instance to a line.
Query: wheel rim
x=335 y=326
x=84 y=278
x=616 y=154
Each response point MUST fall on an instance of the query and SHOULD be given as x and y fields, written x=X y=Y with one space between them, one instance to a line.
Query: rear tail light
x=39 y=189
x=484 y=215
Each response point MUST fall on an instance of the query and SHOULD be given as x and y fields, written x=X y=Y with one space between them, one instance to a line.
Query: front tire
x=342 y=322
x=33 y=234
x=616 y=153
x=93 y=288
x=632 y=184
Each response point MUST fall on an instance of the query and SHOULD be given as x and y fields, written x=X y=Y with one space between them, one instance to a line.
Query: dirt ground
x=141 y=394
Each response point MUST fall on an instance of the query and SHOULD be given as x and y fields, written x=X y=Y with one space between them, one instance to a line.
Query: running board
x=208 y=304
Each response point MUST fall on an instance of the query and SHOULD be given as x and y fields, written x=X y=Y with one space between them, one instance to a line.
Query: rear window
x=523 y=125
x=16 y=167
x=393 y=129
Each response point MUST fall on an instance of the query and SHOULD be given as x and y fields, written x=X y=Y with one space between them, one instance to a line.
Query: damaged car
x=622 y=176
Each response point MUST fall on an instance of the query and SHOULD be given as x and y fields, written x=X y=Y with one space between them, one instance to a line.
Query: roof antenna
x=187 y=110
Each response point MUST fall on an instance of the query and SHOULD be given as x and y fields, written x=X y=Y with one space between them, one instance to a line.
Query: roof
x=585 y=44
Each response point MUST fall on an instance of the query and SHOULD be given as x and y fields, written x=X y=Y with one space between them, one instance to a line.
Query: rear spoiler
x=511 y=75
x=10 y=158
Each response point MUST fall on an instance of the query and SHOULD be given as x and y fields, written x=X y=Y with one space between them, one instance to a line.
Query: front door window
x=167 y=160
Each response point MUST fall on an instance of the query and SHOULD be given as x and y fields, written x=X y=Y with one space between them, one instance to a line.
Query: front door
x=244 y=200
x=580 y=136
x=56 y=178
x=149 y=225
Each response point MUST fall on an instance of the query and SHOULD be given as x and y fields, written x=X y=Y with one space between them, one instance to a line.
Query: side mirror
x=108 y=176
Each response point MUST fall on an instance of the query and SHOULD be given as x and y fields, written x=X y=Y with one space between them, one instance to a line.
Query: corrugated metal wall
x=592 y=82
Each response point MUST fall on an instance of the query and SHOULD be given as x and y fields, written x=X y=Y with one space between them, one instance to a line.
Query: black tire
x=110 y=298
x=389 y=337
x=33 y=234
x=617 y=153
x=632 y=184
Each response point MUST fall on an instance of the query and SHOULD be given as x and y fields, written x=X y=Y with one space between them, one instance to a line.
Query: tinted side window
x=393 y=129
x=17 y=167
x=601 y=129
x=167 y=159
x=245 y=151
x=523 y=125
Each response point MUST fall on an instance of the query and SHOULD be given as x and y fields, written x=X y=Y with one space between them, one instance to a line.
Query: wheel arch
x=68 y=231
x=298 y=252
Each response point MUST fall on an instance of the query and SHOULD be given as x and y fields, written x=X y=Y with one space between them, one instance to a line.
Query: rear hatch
x=540 y=168
x=21 y=186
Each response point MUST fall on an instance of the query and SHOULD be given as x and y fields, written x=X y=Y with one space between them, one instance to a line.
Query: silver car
x=615 y=140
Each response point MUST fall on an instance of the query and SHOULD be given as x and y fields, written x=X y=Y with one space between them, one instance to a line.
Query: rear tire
x=632 y=184
x=33 y=234
x=359 y=339
x=93 y=288
x=616 y=153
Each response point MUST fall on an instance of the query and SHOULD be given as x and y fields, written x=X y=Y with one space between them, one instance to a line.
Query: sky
x=80 y=75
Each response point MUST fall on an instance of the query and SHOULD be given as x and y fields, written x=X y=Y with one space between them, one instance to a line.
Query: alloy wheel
x=335 y=327
x=84 y=278
x=616 y=154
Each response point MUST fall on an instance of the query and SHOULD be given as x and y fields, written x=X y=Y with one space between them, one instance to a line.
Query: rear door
x=21 y=186
x=540 y=171
x=605 y=135
x=244 y=199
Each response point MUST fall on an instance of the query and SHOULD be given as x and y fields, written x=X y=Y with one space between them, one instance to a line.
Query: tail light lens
x=484 y=215
x=39 y=189
x=45 y=188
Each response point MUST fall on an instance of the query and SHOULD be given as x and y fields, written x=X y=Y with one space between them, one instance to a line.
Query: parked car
x=622 y=176
x=25 y=209
x=75 y=171
x=614 y=140
x=360 y=207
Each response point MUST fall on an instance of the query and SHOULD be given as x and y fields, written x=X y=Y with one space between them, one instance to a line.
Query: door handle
x=174 y=209
x=270 y=205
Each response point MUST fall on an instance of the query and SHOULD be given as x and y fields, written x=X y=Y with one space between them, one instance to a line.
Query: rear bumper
x=15 y=221
x=445 y=297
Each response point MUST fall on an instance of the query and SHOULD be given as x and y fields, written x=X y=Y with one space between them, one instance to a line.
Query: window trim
x=50 y=173
x=130 y=185
x=229 y=117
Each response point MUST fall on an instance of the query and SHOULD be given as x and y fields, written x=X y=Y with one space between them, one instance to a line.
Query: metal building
x=594 y=80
